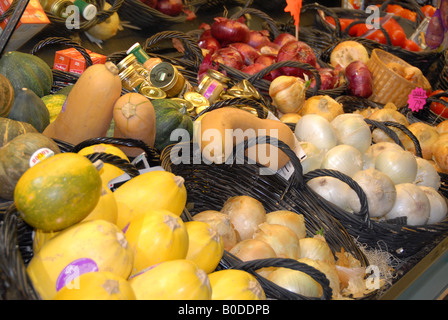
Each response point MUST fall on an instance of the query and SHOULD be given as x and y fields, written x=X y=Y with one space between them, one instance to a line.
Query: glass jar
x=56 y=7
x=165 y=76
x=142 y=57
x=131 y=80
x=131 y=60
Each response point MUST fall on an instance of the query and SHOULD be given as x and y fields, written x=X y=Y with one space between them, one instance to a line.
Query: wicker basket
x=143 y=16
x=389 y=86
x=396 y=237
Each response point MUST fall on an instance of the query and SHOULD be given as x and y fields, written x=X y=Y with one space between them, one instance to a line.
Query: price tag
x=417 y=99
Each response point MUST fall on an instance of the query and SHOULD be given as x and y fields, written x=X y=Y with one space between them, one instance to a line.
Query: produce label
x=69 y=275
x=40 y=155
x=417 y=99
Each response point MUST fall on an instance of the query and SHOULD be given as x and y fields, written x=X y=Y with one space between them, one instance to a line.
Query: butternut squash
x=88 y=110
x=135 y=118
x=223 y=128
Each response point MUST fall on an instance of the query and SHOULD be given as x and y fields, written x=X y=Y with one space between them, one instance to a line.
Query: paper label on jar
x=40 y=155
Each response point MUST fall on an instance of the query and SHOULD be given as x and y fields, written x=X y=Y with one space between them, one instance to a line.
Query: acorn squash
x=6 y=96
x=18 y=155
x=25 y=70
x=28 y=107
x=170 y=115
x=9 y=129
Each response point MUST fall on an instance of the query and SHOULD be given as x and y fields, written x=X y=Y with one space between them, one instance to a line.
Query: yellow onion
x=440 y=152
x=205 y=245
x=287 y=93
x=234 y=284
x=394 y=116
x=172 y=280
x=98 y=285
x=282 y=239
x=290 y=219
x=290 y=117
x=316 y=248
x=245 y=213
x=329 y=270
x=296 y=281
x=442 y=127
x=322 y=105
x=252 y=249
x=158 y=235
x=221 y=222
x=426 y=135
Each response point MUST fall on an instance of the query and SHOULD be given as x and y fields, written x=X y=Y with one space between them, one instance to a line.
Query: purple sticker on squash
x=417 y=99
x=74 y=270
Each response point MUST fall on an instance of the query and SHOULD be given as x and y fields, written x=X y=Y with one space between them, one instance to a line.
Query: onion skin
x=230 y=57
x=228 y=31
x=248 y=53
x=170 y=7
x=253 y=68
x=360 y=79
x=296 y=51
x=283 y=38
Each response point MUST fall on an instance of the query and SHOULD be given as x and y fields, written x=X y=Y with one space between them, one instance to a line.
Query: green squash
x=9 y=129
x=6 y=96
x=170 y=115
x=25 y=70
x=29 y=108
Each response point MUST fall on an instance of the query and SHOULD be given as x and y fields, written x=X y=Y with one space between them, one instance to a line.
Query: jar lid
x=152 y=92
x=126 y=61
x=197 y=99
x=218 y=75
x=163 y=75
x=126 y=72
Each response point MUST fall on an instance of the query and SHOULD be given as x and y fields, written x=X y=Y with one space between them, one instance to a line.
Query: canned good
x=210 y=88
x=166 y=77
x=131 y=80
x=198 y=101
x=152 y=92
x=131 y=60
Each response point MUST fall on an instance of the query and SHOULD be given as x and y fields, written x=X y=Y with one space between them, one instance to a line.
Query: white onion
x=335 y=191
x=438 y=205
x=427 y=174
x=314 y=156
x=292 y=220
x=317 y=130
x=400 y=165
x=412 y=203
x=386 y=114
x=351 y=129
x=375 y=149
x=344 y=158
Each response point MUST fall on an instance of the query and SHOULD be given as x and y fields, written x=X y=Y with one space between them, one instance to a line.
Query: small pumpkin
x=28 y=107
x=9 y=129
x=17 y=156
x=6 y=96
x=25 y=70
x=170 y=116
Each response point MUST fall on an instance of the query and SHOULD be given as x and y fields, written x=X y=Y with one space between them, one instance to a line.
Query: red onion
x=170 y=7
x=296 y=51
x=360 y=79
x=265 y=59
x=283 y=38
x=150 y=3
x=209 y=43
x=230 y=57
x=327 y=78
x=258 y=39
x=249 y=53
x=271 y=48
x=228 y=31
x=253 y=68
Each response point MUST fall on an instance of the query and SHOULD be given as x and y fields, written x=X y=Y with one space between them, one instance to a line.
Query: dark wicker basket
x=399 y=239
x=143 y=16
x=210 y=185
